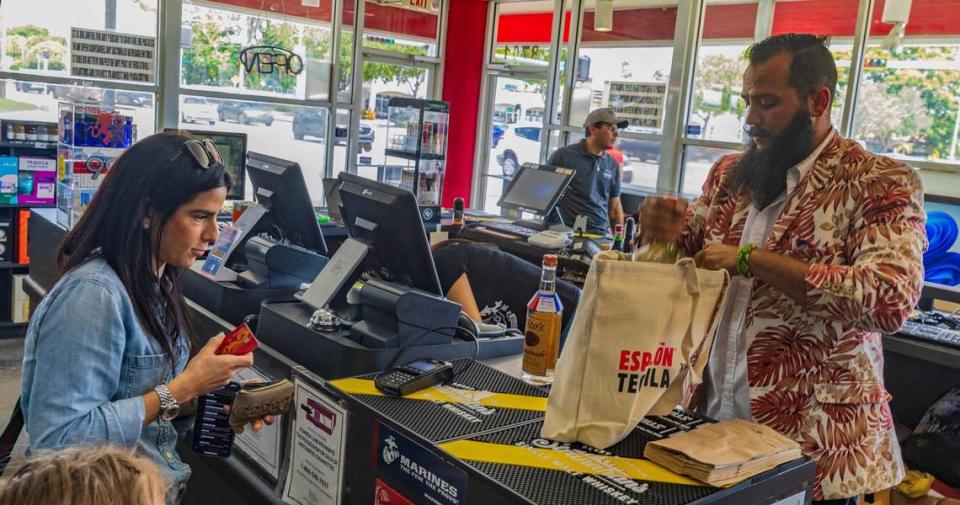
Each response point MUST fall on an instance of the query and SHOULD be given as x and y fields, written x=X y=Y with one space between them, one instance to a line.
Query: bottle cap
x=618 y=229
x=549 y=260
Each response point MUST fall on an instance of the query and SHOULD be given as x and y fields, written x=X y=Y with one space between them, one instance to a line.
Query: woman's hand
x=256 y=424
x=207 y=371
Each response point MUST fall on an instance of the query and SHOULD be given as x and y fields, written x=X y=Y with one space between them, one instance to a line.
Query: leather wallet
x=258 y=399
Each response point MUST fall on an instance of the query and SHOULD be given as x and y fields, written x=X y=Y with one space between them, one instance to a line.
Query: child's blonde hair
x=101 y=475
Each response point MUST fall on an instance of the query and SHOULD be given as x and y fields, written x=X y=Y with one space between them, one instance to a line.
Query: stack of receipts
x=723 y=453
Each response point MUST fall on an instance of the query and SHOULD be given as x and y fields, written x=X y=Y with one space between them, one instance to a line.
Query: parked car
x=244 y=112
x=364 y=137
x=133 y=98
x=520 y=144
x=195 y=109
x=311 y=122
x=76 y=94
x=29 y=87
x=647 y=151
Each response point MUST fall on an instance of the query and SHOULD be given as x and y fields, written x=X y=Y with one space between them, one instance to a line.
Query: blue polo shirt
x=597 y=180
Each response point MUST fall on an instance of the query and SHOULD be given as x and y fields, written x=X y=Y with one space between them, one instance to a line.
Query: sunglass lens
x=199 y=153
x=214 y=152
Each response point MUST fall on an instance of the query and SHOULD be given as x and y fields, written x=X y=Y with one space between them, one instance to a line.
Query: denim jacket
x=87 y=361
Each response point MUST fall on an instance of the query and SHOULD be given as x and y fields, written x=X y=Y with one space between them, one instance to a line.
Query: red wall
x=462 y=78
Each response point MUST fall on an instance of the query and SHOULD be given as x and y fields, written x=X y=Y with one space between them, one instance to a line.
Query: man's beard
x=763 y=172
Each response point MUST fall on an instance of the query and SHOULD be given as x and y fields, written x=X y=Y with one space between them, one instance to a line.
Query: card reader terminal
x=414 y=376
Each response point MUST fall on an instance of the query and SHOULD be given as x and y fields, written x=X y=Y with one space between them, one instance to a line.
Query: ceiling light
x=603 y=16
x=896 y=12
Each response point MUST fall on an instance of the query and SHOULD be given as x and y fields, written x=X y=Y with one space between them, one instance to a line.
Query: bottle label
x=541 y=343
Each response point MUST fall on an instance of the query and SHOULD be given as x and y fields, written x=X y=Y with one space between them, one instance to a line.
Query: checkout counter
x=346 y=443
x=475 y=442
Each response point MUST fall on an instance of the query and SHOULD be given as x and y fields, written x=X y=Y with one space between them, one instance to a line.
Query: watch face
x=171 y=413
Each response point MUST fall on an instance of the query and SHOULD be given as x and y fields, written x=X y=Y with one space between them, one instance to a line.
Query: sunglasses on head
x=204 y=152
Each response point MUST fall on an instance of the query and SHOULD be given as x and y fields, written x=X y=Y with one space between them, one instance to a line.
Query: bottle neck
x=548 y=280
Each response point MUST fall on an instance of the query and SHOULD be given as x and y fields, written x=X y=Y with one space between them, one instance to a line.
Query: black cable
x=476 y=353
x=435 y=330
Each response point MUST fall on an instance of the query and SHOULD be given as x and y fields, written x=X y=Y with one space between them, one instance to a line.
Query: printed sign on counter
x=317 y=449
x=263 y=447
x=404 y=462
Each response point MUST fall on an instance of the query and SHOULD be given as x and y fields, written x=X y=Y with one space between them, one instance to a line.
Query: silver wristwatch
x=169 y=406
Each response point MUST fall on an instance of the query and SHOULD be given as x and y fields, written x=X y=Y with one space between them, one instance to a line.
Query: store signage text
x=266 y=59
x=111 y=55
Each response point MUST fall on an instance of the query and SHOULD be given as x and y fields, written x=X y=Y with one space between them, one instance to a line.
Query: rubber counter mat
x=480 y=399
x=550 y=472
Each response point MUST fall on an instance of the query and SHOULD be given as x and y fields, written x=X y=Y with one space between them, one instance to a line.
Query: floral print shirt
x=815 y=369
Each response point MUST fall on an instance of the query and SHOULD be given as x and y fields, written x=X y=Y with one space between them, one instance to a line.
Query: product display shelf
x=23 y=185
x=417 y=132
x=89 y=139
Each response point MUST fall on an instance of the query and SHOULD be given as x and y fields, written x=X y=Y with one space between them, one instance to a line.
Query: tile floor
x=11 y=353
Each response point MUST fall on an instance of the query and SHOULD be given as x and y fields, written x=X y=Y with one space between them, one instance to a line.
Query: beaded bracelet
x=743 y=260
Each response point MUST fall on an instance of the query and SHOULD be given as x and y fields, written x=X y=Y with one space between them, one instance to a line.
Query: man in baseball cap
x=595 y=190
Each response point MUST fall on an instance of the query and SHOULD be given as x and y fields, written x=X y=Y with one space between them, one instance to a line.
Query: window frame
x=687 y=43
x=167 y=90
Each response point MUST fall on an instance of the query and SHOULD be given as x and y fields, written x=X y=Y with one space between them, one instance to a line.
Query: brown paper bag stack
x=723 y=453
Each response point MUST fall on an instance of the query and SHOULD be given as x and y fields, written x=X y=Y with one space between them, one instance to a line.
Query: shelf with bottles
x=417 y=129
x=27 y=163
x=89 y=139
x=429 y=182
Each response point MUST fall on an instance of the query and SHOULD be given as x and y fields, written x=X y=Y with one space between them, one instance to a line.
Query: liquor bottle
x=457 y=211
x=617 y=238
x=629 y=234
x=657 y=252
x=542 y=334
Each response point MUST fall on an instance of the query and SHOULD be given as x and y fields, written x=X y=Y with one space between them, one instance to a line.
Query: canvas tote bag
x=639 y=338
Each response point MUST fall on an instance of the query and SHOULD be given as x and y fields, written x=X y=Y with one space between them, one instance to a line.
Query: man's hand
x=717 y=257
x=662 y=218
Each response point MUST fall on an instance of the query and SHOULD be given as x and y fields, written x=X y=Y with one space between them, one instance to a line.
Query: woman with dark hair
x=107 y=353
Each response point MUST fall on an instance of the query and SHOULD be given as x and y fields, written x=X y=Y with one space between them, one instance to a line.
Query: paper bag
x=641 y=334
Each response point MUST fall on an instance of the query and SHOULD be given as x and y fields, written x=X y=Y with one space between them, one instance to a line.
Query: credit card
x=238 y=342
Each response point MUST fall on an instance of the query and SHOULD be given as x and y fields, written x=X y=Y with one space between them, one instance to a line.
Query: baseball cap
x=605 y=115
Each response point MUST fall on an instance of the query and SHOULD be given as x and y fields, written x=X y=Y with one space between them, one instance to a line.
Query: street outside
x=277 y=140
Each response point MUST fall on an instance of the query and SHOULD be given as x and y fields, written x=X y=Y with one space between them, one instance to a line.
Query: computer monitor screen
x=233 y=150
x=278 y=185
x=942 y=260
x=387 y=218
x=536 y=188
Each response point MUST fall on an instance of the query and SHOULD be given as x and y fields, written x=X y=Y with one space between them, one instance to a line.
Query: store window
x=295 y=133
x=626 y=68
x=523 y=33
x=834 y=18
x=345 y=71
x=402 y=27
x=381 y=82
x=37 y=33
x=697 y=161
x=514 y=139
x=717 y=112
x=283 y=51
x=908 y=104
x=35 y=101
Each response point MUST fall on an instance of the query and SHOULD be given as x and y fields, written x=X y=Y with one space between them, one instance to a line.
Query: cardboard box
x=8 y=180
x=37 y=181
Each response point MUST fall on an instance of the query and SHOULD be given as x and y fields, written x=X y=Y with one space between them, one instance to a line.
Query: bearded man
x=824 y=242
